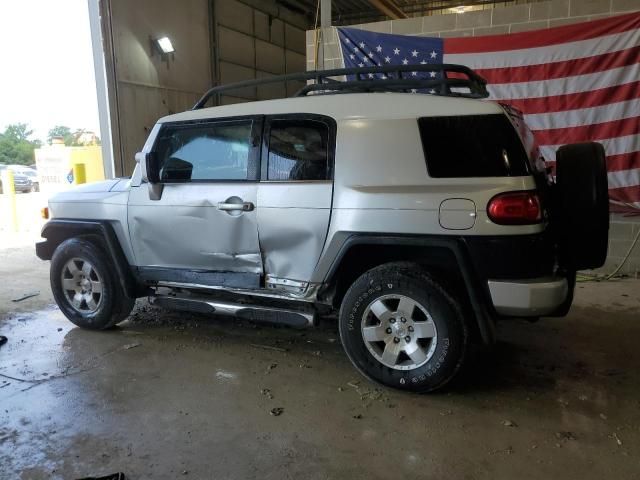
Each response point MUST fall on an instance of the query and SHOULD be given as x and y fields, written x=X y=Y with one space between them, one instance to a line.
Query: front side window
x=206 y=152
x=298 y=150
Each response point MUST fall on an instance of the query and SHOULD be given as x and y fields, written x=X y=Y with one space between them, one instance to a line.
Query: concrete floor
x=169 y=395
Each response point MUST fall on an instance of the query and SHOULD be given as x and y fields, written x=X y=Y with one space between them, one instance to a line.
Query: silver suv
x=421 y=219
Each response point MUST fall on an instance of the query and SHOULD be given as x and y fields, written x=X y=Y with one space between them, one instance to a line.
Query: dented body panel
x=293 y=219
x=186 y=230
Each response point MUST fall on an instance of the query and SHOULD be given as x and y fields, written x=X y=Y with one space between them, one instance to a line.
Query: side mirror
x=150 y=173
x=149 y=167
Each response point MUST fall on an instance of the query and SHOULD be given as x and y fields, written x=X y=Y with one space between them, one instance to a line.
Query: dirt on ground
x=174 y=395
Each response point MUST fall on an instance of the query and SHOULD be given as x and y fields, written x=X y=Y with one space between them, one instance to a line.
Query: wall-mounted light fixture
x=164 y=45
x=460 y=9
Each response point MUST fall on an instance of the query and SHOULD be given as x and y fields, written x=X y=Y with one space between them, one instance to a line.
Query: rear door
x=203 y=229
x=295 y=195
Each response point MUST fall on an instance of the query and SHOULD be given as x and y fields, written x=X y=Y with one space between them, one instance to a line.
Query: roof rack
x=396 y=78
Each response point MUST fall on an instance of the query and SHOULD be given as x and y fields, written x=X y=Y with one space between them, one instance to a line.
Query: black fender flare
x=57 y=231
x=476 y=290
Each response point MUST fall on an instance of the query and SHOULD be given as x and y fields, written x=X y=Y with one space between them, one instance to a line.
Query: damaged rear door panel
x=295 y=197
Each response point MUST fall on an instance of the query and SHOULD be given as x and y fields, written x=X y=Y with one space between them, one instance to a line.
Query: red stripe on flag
x=568 y=68
x=543 y=37
x=588 y=133
x=624 y=161
x=625 y=194
x=573 y=101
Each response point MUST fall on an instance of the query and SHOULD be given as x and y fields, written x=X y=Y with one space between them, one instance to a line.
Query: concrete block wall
x=500 y=20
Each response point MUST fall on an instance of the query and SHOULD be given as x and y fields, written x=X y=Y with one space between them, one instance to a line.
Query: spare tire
x=582 y=205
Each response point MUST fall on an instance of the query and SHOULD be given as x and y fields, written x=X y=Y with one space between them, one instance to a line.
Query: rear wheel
x=85 y=286
x=400 y=327
x=582 y=205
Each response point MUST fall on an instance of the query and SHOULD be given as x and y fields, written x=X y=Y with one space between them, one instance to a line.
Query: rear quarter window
x=472 y=146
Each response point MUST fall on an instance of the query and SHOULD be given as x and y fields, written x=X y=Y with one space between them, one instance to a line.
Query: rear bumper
x=530 y=297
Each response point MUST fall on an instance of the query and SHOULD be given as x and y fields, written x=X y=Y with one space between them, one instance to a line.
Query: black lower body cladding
x=581 y=210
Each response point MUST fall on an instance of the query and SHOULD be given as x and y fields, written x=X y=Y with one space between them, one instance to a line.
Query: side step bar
x=255 y=313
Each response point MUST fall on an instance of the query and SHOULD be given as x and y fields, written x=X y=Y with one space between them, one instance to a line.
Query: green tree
x=15 y=145
x=63 y=132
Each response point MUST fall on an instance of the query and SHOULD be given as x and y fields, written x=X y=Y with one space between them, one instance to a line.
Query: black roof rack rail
x=397 y=78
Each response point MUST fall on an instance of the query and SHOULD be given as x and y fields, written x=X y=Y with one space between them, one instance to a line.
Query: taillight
x=515 y=208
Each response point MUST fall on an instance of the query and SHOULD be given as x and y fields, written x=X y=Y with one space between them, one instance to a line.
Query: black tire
x=113 y=304
x=582 y=205
x=448 y=347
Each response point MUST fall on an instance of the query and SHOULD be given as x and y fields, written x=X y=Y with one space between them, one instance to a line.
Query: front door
x=202 y=229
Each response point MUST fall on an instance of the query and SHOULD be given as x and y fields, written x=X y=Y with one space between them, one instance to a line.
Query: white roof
x=350 y=106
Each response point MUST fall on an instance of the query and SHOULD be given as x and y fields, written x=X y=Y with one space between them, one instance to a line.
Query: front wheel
x=85 y=286
x=402 y=328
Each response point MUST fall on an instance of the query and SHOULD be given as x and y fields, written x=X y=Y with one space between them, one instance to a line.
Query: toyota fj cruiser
x=422 y=219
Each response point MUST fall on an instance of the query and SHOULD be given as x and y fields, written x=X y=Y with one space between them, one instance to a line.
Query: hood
x=96 y=187
x=92 y=192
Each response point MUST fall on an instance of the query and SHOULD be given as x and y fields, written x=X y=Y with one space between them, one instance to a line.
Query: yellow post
x=79 y=173
x=9 y=188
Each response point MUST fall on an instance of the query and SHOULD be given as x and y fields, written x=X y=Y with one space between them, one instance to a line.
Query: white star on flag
x=361 y=44
x=413 y=74
x=387 y=59
x=352 y=56
x=378 y=48
x=370 y=54
x=432 y=91
x=346 y=40
x=396 y=51
x=432 y=74
x=405 y=61
x=361 y=65
x=365 y=59
x=413 y=90
x=371 y=75
x=414 y=53
x=434 y=54
x=423 y=62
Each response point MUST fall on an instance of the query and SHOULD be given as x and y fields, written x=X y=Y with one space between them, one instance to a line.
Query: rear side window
x=206 y=152
x=298 y=150
x=472 y=146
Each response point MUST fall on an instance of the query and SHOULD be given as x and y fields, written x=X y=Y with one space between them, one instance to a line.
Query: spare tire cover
x=582 y=205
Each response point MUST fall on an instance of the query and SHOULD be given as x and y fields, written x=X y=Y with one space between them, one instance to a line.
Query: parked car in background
x=21 y=183
x=29 y=172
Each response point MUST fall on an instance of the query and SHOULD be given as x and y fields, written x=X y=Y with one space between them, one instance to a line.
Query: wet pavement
x=174 y=395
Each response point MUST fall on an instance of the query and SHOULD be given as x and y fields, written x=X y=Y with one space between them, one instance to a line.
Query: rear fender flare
x=475 y=289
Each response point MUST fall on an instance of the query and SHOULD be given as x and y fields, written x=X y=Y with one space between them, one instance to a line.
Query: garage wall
x=257 y=39
x=142 y=85
x=216 y=41
x=495 y=21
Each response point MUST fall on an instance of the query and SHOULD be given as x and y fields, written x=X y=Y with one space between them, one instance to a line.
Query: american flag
x=574 y=83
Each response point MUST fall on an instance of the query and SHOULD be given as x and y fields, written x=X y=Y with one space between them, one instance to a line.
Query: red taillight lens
x=515 y=208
